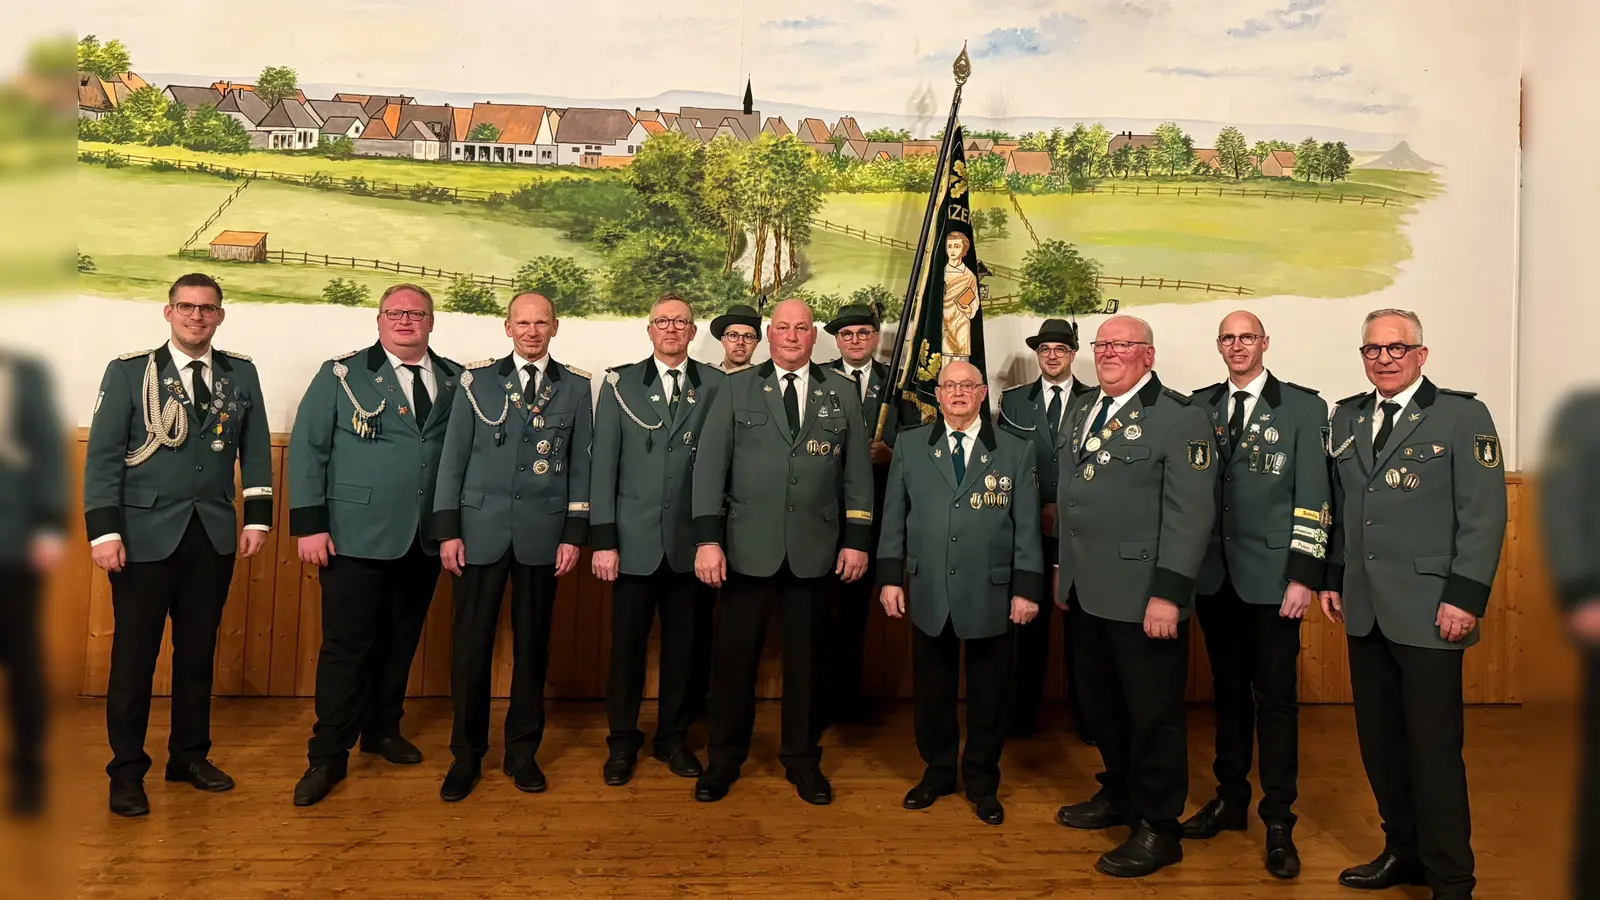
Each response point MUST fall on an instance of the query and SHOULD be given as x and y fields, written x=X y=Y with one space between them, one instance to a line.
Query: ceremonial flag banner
x=949 y=317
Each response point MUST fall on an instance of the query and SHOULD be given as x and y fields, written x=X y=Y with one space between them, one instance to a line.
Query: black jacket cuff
x=1052 y=550
x=1173 y=587
x=103 y=521
x=576 y=531
x=1027 y=585
x=258 y=511
x=891 y=571
x=603 y=537
x=1571 y=594
x=1464 y=593
x=857 y=536
x=1334 y=579
x=306 y=520
x=447 y=525
x=707 y=529
x=1307 y=570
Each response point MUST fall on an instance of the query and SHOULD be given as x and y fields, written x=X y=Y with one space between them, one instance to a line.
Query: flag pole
x=903 y=356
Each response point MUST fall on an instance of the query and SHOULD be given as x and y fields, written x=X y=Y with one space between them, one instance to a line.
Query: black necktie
x=672 y=401
x=1100 y=417
x=1236 y=418
x=533 y=381
x=791 y=404
x=958 y=457
x=1391 y=410
x=202 y=391
x=421 y=403
x=1053 y=411
x=860 y=388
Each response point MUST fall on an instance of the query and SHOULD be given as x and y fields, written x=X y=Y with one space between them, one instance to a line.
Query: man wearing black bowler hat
x=739 y=330
x=1034 y=412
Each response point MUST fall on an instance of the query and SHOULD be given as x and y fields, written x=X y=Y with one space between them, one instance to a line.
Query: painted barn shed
x=240 y=246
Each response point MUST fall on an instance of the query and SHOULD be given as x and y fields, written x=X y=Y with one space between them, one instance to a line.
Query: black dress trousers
x=936 y=683
x=635 y=602
x=20 y=660
x=190 y=586
x=373 y=613
x=477 y=596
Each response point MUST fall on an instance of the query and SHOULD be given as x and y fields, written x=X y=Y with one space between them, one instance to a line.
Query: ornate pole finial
x=963 y=66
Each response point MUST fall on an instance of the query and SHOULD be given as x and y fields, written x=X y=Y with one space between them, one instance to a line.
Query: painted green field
x=132 y=222
x=1269 y=246
x=475 y=176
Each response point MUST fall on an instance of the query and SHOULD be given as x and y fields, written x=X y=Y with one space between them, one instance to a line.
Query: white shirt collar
x=662 y=368
x=970 y=432
x=778 y=371
x=1254 y=388
x=1117 y=402
x=541 y=363
x=1403 y=398
x=426 y=362
x=182 y=359
x=1046 y=385
x=850 y=369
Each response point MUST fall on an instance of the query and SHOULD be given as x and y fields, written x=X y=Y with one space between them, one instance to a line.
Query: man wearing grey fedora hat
x=1034 y=411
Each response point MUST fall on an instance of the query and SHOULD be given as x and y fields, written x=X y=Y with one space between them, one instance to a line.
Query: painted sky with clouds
x=1337 y=63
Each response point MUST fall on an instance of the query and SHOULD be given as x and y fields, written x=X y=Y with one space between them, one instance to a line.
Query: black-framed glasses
x=206 y=310
x=1118 y=347
x=1247 y=340
x=857 y=334
x=665 y=323
x=740 y=338
x=1394 y=351
x=410 y=315
x=961 y=387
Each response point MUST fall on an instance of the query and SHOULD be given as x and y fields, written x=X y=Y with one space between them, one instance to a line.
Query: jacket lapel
x=655 y=391
x=1363 y=432
x=939 y=455
x=1263 y=413
x=221 y=381
x=553 y=386
x=817 y=388
x=172 y=383
x=386 y=382
x=1409 y=418
x=444 y=383
x=772 y=392
x=507 y=370
x=1075 y=421
x=978 y=457
x=691 y=386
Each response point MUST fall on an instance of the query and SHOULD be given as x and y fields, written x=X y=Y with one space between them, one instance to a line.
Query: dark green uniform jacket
x=1569 y=500
x=33 y=489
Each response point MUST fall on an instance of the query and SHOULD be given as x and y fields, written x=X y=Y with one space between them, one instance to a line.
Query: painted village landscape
x=291 y=194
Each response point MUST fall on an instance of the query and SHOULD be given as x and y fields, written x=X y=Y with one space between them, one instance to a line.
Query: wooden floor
x=385 y=832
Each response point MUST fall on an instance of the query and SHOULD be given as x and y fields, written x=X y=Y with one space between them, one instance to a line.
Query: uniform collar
x=1254 y=388
x=181 y=360
x=1404 y=397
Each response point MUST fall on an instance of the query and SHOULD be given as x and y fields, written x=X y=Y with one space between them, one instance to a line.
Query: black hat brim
x=1051 y=337
x=720 y=324
x=843 y=322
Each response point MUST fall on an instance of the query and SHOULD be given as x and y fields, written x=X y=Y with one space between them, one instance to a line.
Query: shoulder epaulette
x=1351 y=398
x=447 y=360
x=134 y=354
x=344 y=356
x=577 y=371
x=1017 y=387
x=1210 y=387
x=1177 y=395
x=234 y=355
x=480 y=364
x=1301 y=387
x=1468 y=394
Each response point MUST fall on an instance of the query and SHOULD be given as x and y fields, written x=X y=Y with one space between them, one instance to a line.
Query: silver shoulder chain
x=164 y=426
x=466 y=384
x=612 y=378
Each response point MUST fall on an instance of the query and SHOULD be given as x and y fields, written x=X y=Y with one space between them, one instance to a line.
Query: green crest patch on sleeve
x=1486 y=450
x=1199 y=455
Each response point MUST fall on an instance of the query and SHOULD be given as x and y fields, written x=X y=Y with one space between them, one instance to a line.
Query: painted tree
x=758 y=192
x=568 y=285
x=665 y=176
x=467 y=296
x=277 y=83
x=1058 y=280
x=486 y=132
x=1174 y=149
x=206 y=129
x=1307 y=162
x=1034 y=141
x=1122 y=160
x=1335 y=161
x=986 y=172
x=143 y=117
x=719 y=191
x=1097 y=142
x=107 y=60
x=1233 y=153
x=1143 y=159
x=888 y=134
x=798 y=183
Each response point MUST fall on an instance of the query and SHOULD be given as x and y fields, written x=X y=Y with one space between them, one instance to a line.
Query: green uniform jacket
x=901 y=416
x=33 y=489
x=1136 y=511
x=1273 y=493
x=969 y=548
x=150 y=501
x=522 y=482
x=642 y=487
x=1022 y=413
x=1421 y=524
x=374 y=494
x=1569 y=500
x=783 y=494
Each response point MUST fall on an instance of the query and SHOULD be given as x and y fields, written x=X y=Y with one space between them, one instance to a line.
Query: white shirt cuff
x=113 y=536
x=258 y=528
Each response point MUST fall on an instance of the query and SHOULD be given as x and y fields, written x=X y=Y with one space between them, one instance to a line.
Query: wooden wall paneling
x=262 y=591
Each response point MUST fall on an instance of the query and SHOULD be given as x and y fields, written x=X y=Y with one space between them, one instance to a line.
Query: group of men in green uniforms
x=811 y=490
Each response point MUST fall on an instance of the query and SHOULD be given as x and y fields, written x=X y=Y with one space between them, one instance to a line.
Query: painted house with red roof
x=524 y=135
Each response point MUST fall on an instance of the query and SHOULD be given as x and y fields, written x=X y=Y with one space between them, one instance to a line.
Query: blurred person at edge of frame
x=1569 y=504
x=32 y=516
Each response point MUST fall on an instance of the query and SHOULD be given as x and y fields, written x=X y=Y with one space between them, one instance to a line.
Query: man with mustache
x=785 y=452
x=1419 y=500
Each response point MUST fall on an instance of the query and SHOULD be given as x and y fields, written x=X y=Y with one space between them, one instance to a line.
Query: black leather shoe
x=529 y=778
x=618 y=769
x=1145 y=852
x=714 y=784
x=1385 y=872
x=128 y=799
x=1283 y=859
x=203 y=775
x=680 y=762
x=394 y=749
x=316 y=784
x=1093 y=814
x=989 y=810
x=459 y=781
x=924 y=793
x=812 y=786
x=1215 y=817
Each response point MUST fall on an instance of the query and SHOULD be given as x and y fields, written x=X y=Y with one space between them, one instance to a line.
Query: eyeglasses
x=206 y=310
x=1395 y=351
x=961 y=387
x=740 y=338
x=863 y=334
x=410 y=315
x=1054 y=350
x=663 y=323
x=1247 y=340
x=1117 y=347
